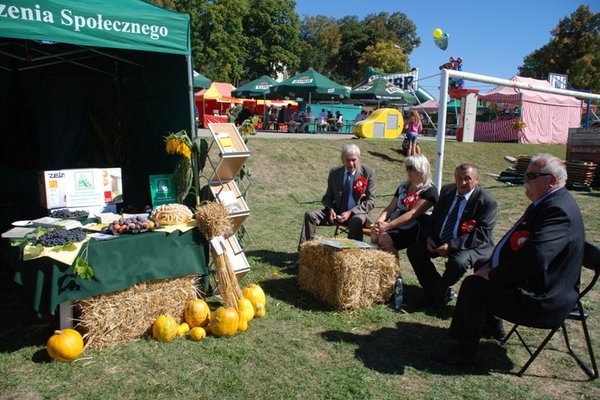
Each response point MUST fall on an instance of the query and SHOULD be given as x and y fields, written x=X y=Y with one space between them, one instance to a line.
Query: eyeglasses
x=410 y=168
x=533 y=175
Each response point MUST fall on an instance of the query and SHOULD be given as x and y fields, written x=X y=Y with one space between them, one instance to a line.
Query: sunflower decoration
x=518 y=125
x=249 y=126
x=179 y=143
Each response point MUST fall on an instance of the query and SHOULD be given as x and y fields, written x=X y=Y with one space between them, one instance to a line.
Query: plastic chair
x=591 y=260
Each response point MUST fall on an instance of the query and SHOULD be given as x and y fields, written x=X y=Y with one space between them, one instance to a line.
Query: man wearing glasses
x=460 y=230
x=532 y=277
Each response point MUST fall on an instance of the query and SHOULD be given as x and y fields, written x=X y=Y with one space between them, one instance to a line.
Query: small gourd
x=65 y=345
x=224 y=321
x=197 y=333
x=243 y=320
x=255 y=294
x=182 y=329
x=164 y=329
x=196 y=313
x=261 y=310
x=244 y=304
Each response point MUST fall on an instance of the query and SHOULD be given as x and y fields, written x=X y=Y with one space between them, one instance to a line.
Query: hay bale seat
x=348 y=278
x=127 y=315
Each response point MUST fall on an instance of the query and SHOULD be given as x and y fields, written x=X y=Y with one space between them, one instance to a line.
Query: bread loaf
x=171 y=214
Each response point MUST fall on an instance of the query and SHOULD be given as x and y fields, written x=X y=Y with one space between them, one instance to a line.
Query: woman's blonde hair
x=421 y=164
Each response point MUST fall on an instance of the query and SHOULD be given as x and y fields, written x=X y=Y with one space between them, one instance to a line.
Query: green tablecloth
x=118 y=264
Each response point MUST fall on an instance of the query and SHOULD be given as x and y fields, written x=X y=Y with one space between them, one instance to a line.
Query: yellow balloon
x=437 y=33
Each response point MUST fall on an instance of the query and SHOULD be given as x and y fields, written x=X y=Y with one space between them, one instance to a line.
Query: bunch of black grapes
x=66 y=213
x=58 y=237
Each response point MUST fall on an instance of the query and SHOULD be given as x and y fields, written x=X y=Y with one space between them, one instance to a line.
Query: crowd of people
x=530 y=276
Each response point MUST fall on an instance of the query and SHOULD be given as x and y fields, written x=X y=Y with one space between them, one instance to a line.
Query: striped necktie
x=448 y=232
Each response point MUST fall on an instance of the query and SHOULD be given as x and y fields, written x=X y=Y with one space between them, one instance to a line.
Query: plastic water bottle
x=398 y=294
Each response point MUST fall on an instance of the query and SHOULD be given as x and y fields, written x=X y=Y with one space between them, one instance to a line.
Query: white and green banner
x=122 y=24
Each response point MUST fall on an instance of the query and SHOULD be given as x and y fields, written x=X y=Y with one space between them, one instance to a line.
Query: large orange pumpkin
x=255 y=294
x=196 y=313
x=65 y=345
x=164 y=328
x=224 y=321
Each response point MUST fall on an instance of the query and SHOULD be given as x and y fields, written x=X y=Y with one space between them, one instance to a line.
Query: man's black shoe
x=493 y=333
x=453 y=357
x=449 y=296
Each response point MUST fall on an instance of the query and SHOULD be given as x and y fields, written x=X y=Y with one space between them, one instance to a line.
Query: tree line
x=239 y=40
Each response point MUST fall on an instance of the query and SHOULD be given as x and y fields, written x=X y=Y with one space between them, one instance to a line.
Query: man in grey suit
x=349 y=198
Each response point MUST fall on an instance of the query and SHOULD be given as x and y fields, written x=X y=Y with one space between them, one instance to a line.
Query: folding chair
x=591 y=260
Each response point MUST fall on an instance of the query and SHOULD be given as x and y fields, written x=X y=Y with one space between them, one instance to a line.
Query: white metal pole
x=441 y=130
x=191 y=98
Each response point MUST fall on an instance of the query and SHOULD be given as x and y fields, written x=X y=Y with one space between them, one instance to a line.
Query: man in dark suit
x=349 y=197
x=533 y=274
x=460 y=230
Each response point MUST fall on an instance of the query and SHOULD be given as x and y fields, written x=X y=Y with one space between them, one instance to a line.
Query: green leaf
x=65 y=247
x=82 y=269
x=33 y=251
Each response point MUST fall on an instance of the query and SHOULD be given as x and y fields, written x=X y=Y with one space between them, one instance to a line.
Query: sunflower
x=179 y=143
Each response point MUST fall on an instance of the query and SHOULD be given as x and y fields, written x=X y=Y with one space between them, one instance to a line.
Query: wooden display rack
x=233 y=154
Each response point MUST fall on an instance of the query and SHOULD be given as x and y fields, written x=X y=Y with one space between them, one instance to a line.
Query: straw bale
x=127 y=315
x=347 y=279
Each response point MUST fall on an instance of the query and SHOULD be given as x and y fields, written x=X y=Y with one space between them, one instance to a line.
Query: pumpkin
x=255 y=294
x=65 y=345
x=197 y=333
x=224 y=321
x=196 y=313
x=164 y=328
x=243 y=320
x=182 y=329
x=244 y=304
x=261 y=310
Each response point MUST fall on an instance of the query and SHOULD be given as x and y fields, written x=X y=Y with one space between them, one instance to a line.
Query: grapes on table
x=66 y=213
x=58 y=237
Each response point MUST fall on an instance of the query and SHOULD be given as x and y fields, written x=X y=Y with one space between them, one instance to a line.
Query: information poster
x=163 y=189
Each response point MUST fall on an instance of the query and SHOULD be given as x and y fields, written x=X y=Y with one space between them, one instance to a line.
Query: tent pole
x=191 y=99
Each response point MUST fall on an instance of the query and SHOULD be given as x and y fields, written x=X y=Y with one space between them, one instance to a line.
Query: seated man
x=349 y=197
x=460 y=230
x=532 y=277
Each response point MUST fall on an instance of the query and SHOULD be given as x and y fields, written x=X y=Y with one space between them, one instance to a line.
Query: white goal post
x=447 y=74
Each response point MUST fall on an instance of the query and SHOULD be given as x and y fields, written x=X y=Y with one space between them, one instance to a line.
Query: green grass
x=303 y=348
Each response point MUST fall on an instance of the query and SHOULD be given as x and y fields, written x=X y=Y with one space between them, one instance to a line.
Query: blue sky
x=492 y=37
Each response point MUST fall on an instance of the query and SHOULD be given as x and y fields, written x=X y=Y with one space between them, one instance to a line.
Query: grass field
x=304 y=349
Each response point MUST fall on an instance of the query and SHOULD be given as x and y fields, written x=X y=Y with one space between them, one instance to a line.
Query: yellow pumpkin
x=197 y=333
x=164 y=328
x=65 y=345
x=224 y=321
x=255 y=294
x=243 y=320
x=244 y=304
x=261 y=310
x=196 y=313
x=182 y=329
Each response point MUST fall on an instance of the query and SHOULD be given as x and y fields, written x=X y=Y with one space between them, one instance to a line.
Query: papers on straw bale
x=127 y=315
x=347 y=278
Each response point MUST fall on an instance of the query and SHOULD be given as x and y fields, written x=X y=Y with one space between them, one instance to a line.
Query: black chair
x=591 y=260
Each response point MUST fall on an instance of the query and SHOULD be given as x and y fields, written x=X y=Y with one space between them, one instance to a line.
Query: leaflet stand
x=233 y=154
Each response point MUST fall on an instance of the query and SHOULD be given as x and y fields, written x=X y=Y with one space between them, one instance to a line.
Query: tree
x=320 y=40
x=384 y=56
x=574 y=50
x=272 y=31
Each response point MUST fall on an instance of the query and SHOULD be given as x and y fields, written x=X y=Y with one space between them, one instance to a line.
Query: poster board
x=162 y=189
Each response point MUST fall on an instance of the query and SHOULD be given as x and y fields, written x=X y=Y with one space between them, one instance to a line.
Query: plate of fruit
x=131 y=225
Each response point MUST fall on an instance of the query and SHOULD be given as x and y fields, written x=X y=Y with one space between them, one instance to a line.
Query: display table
x=118 y=264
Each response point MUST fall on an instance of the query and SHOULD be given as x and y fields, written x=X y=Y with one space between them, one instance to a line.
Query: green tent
x=255 y=89
x=309 y=85
x=200 y=81
x=381 y=90
x=89 y=83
